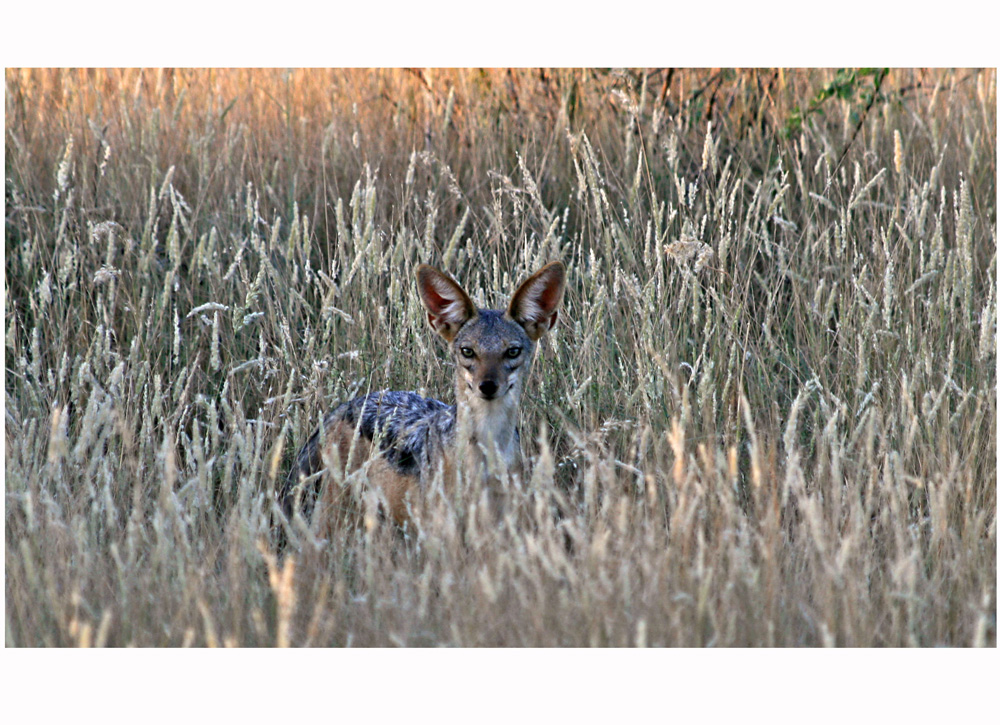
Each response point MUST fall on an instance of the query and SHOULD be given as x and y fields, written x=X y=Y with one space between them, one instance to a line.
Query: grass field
x=767 y=417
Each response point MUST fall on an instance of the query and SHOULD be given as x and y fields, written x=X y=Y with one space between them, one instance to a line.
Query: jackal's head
x=493 y=349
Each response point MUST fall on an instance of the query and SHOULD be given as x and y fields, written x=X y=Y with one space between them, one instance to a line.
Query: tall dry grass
x=768 y=416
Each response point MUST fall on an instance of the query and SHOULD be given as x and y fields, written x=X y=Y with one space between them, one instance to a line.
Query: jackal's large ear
x=448 y=307
x=535 y=305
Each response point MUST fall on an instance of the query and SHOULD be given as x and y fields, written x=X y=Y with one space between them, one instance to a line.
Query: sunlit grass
x=767 y=417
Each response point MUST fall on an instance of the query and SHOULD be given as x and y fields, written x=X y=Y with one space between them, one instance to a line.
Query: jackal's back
x=410 y=431
x=407 y=425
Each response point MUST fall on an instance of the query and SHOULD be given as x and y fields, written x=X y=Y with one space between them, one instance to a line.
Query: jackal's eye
x=467 y=352
x=513 y=352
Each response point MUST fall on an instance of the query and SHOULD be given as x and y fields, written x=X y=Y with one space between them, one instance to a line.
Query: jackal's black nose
x=488 y=388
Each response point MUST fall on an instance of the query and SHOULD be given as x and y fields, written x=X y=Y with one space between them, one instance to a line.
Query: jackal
x=420 y=438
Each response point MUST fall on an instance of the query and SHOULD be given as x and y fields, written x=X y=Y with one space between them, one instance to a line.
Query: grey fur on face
x=499 y=349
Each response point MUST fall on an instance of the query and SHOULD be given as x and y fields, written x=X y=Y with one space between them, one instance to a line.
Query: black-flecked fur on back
x=405 y=423
x=407 y=427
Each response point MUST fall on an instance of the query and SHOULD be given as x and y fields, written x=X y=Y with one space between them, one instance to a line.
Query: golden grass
x=768 y=416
